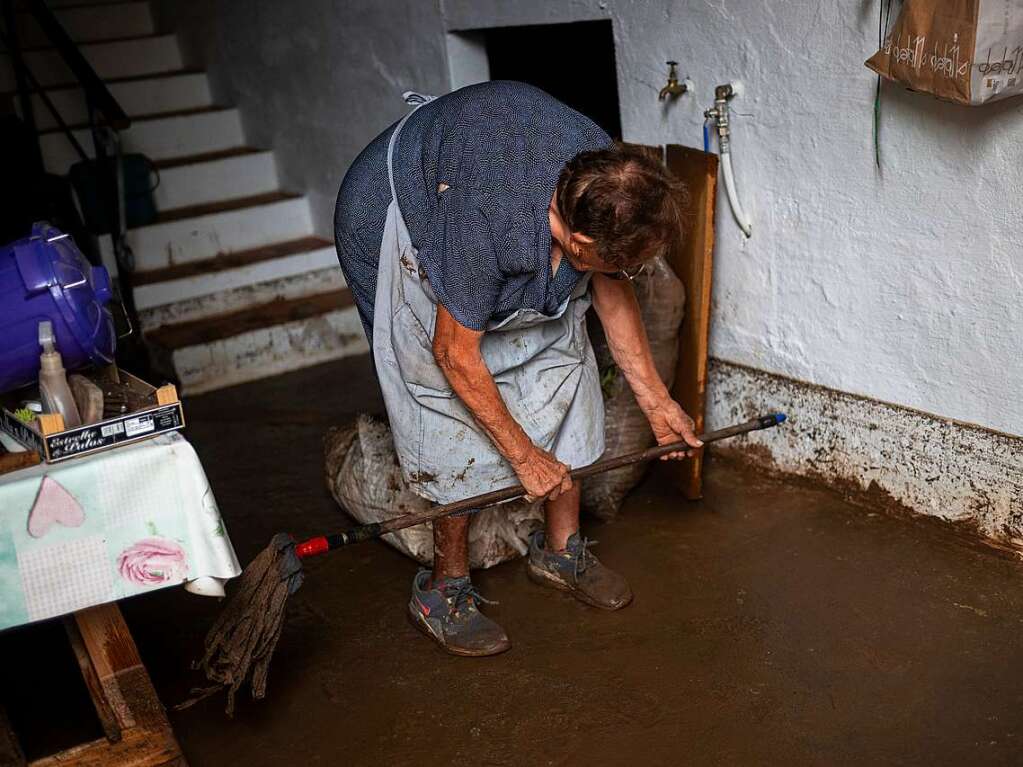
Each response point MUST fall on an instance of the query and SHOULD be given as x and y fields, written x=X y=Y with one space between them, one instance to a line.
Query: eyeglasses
x=628 y=274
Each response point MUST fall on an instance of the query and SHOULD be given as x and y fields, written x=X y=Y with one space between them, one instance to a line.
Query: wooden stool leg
x=10 y=750
x=107 y=718
x=115 y=659
x=125 y=699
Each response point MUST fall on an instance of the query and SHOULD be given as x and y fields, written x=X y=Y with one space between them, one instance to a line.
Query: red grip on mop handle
x=325 y=543
x=312 y=547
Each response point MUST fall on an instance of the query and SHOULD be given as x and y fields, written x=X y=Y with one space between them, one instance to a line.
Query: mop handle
x=326 y=543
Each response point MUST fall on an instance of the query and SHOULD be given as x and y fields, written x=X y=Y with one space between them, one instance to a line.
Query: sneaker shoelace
x=466 y=595
x=583 y=558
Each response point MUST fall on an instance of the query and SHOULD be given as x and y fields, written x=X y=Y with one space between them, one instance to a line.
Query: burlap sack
x=966 y=51
x=364 y=477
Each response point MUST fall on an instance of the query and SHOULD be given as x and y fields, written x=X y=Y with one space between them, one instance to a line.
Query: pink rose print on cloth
x=153 y=562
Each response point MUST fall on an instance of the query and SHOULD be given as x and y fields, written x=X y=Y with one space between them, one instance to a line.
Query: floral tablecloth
x=108 y=526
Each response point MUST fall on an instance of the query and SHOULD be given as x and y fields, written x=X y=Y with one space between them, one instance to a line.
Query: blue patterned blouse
x=485 y=242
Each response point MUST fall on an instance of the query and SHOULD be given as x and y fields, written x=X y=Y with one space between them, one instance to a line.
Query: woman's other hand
x=670 y=423
x=543 y=475
x=616 y=305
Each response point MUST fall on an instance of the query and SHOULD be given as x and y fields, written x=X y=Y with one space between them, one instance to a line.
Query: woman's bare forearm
x=457 y=352
x=616 y=306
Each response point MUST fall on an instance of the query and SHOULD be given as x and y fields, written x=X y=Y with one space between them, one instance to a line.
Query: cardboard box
x=55 y=443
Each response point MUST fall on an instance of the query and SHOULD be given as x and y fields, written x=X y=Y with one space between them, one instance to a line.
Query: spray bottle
x=53 y=386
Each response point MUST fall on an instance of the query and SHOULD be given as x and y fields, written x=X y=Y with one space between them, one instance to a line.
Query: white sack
x=364 y=477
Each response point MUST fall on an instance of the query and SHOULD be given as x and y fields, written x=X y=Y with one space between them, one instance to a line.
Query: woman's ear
x=582 y=244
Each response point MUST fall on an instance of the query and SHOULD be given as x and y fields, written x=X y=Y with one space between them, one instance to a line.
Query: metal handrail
x=25 y=72
x=96 y=92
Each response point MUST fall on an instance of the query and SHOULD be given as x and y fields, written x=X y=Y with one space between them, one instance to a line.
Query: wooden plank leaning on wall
x=693 y=263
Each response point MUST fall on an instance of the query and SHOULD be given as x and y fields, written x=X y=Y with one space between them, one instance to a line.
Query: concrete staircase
x=232 y=281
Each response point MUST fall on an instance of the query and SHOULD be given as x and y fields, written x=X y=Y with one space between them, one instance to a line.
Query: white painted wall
x=902 y=285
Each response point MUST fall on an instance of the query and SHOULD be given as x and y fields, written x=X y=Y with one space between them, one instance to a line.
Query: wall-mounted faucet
x=719 y=114
x=674 y=88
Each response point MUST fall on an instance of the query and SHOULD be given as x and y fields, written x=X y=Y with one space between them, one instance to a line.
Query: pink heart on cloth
x=53 y=504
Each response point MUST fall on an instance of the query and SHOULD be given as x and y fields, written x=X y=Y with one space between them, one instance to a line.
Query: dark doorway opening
x=575 y=63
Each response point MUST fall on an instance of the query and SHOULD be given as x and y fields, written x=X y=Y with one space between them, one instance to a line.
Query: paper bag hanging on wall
x=967 y=51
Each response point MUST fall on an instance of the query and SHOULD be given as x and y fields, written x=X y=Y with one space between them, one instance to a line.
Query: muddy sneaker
x=449 y=615
x=576 y=570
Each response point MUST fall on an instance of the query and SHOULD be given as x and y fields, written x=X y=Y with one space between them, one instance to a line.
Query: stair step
x=237 y=281
x=91 y=23
x=158 y=137
x=229 y=285
x=74 y=86
x=228 y=227
x=205 y=178
x=199 y=298
x=149 y=117
x=78 y=3
x=237 y=151
x=138 y=96
x=225 y=261
x=112 y=60
x=258 y=342
x=48 y=45
x=123 y=58
x=133 y=78
x=266 y=315
x=223 y=206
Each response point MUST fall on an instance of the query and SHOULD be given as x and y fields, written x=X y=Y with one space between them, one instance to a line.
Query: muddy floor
x=772 y=624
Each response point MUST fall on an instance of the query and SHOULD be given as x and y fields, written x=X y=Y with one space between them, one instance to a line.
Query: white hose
x=733 y=198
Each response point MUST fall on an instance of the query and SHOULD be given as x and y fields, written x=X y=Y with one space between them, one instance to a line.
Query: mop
x=241 y=642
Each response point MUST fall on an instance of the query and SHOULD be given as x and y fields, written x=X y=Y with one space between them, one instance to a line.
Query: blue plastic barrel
x=45 y=277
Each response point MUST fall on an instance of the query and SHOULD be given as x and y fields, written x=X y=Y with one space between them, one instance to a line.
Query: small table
x=77 y=536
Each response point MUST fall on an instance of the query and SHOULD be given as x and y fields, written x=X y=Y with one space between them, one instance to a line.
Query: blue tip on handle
x=779 y=417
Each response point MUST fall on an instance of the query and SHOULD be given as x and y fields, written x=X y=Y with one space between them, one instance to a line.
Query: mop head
x=241 y=643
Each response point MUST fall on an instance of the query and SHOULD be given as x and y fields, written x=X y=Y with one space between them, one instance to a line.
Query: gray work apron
x=543 y=365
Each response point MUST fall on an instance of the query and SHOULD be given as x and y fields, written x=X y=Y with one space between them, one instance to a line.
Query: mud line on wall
x=891 y=458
